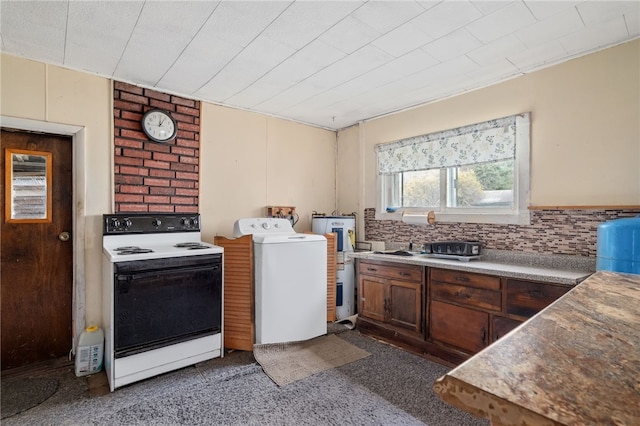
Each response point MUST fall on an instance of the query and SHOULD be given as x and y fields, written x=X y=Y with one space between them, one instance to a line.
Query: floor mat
x=286 y=363
x=21 y=394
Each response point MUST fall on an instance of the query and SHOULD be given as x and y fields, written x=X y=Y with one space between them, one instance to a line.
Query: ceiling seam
x=368 y=44
x=133 y=30
x=187 y=45
x=296 y=51
x=243 y=49
x=66 y=31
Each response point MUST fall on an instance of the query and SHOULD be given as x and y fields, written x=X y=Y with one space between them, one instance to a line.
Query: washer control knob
x=266 y=225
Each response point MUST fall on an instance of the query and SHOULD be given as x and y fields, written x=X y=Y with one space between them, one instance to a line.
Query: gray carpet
x=389 y=387
x=22 y=394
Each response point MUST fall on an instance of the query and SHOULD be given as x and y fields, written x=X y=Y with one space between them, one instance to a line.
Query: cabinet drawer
x=469 y=296
x=405 y=272
x=525 y=298
x=465 y=278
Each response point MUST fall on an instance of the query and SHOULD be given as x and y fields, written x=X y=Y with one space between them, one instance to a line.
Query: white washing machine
x=290 y=280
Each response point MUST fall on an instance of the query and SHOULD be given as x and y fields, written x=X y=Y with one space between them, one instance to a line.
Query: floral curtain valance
x=489 y=141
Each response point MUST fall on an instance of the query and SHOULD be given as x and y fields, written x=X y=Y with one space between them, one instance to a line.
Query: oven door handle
x=156 y=272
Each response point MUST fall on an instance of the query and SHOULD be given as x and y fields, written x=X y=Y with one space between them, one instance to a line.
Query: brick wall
x=151 y=176
x=569 y=232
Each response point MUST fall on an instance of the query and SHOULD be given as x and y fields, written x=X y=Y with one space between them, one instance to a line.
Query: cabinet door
x=502 y=326
x=405 y=300
x=464 y=328
x=373 y=302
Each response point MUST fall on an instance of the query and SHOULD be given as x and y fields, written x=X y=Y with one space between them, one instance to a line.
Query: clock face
x=159 y=126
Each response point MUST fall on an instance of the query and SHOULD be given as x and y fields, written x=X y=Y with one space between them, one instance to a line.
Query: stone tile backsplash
x=569 y=232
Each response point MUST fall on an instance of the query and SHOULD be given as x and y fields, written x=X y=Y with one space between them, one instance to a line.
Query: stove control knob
x=156 y=222
x=115 y=223
x=194 y=222
x=185 y=222
x=126 y=223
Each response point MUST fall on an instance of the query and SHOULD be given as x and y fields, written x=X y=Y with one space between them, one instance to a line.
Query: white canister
x=90 y=351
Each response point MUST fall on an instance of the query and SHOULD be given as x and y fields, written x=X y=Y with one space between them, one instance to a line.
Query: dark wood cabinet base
x=414 y=344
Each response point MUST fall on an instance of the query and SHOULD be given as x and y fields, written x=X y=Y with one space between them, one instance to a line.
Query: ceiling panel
x=602 y=11
x=18 y=21
x=502 y=22
x=159 y=37
x=402 y=40
x=117 y=24
x=566 y=22
x=599 y=35
x=384 y=16
x=303 y=22
x=329 y=64
x=447 y=17
x=540 y=54
x=453 y=44
x=304 y=63
x=249 y=65
x=496 y=50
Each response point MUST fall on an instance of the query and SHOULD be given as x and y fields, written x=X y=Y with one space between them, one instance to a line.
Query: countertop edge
x=567 y=277
x=485 y=405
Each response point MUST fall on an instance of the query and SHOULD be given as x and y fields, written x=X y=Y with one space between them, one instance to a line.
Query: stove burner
x=132 y=250
x=192 y=245
x=127 y=248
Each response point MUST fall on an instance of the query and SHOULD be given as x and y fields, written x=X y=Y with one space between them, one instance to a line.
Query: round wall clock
x=159 y=125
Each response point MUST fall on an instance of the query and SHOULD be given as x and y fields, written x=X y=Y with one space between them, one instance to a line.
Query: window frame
x=519 y=214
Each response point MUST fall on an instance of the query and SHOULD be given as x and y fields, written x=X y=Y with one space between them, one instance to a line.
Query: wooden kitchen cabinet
x=391 y=295
x=460 y=305
x=446 y=315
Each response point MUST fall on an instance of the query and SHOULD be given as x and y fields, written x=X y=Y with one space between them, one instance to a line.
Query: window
x=477 y=173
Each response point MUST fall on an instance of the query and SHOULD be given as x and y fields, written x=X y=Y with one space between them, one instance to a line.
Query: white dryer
x=290 y=280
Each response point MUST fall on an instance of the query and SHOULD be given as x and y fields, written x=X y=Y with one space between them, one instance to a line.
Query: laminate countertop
x=552 y=269
x=577 y=362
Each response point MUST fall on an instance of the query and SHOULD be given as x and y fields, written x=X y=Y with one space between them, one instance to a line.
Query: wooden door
x=37 y=260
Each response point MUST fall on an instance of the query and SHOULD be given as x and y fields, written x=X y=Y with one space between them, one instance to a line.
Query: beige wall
x=46 y=97
x=250 y=161
x=585 y=138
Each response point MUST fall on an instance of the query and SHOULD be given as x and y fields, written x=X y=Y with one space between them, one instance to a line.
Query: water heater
x=345 y=228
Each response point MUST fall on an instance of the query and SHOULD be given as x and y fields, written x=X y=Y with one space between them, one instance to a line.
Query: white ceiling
x=326 y=63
